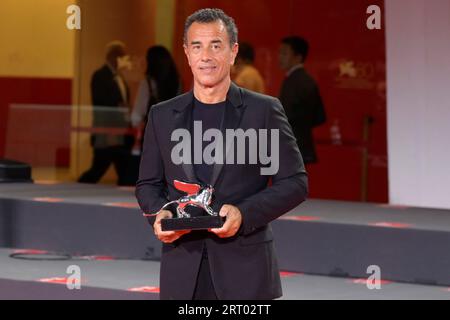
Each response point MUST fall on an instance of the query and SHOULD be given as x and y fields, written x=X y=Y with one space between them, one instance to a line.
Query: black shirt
x=210 y=116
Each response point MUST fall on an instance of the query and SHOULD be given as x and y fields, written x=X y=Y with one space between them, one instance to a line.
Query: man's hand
x=232 y=223
x=166 y=236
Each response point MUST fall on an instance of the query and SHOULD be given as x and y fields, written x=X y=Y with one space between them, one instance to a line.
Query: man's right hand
x=166 y=236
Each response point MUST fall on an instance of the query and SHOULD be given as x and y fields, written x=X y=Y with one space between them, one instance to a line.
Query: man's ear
x=234 y=50
x=186 y=53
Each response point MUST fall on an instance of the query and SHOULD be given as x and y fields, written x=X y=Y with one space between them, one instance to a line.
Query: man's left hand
x=232 y=223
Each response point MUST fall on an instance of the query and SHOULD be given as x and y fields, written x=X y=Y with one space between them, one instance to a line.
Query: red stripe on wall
x=53 y=91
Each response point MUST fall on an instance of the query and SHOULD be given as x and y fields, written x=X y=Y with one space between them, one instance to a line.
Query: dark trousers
x=204 y=289
x=103 y=158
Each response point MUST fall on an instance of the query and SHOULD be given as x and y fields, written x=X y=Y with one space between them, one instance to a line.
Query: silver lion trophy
x=199 y=196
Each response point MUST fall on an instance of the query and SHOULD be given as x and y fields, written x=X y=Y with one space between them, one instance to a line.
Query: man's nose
x=206 y=55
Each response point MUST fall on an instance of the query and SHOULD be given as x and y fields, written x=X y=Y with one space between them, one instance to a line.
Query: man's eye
x=216 y=46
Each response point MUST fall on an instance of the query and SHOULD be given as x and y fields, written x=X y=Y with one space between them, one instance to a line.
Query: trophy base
x=193 y=223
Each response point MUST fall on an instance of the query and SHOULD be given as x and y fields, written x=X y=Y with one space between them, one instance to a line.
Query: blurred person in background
x=161 y=82
x=300 y=95
x=245 y=74
x=110 y=100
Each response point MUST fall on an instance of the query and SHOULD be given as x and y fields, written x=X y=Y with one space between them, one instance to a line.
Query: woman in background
x=161 y=82
x=245 y=74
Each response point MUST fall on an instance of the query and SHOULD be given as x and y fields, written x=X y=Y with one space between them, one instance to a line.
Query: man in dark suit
x=300 y=96
x=236 y=261
x=110 y=98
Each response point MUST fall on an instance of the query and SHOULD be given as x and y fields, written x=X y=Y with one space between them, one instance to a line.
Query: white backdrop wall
x=418 y=101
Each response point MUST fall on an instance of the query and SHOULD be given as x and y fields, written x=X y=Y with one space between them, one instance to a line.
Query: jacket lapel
x=233 y=113
x=182 y=113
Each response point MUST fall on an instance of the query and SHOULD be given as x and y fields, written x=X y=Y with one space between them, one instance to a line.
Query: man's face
x=209 y=53
x=286 y=57
x=116 y=54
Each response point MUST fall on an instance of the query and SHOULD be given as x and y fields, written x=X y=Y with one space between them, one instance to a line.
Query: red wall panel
x=348 y=62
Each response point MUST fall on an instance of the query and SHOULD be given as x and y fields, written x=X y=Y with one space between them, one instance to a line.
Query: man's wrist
x=241 y=229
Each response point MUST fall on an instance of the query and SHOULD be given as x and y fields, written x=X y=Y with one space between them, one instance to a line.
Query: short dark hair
x=209 y=15
x=298 y=45
x=246 y=52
